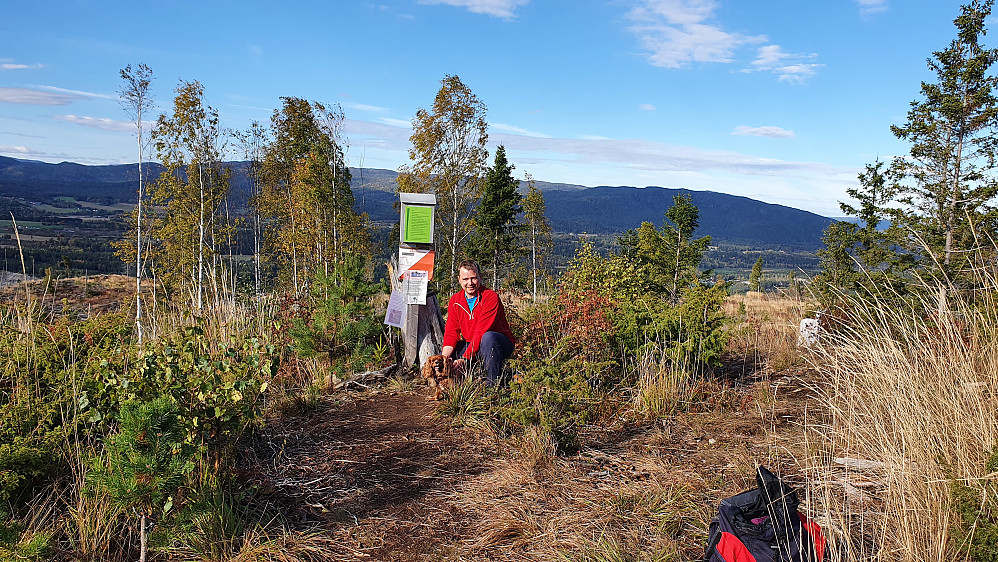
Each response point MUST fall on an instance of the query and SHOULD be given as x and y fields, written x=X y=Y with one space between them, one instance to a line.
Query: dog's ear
x=448 y=368
x=428 y=368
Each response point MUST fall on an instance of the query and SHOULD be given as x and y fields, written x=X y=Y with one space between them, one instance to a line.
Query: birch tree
x=191 y=191
x=136 y=99
x=448 y=157
x=254 y=141
x=305 y=192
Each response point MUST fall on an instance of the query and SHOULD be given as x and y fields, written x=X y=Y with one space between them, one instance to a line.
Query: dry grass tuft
x=910 y=401
x=765 y=333
x=579 y=510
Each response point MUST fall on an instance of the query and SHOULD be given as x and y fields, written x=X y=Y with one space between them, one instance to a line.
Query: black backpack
x=764 y=525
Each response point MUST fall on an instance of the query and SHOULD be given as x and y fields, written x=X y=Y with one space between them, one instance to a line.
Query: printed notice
x=414 y=284
x=395 y=316
x=411 y=259
x=418 y=224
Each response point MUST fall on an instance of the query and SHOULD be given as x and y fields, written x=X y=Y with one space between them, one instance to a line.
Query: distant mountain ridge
x=571 y=208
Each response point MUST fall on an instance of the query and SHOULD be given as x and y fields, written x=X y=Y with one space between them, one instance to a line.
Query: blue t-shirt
x=471 y=302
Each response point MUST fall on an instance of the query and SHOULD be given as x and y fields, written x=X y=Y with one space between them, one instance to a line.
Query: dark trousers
x=494 y=350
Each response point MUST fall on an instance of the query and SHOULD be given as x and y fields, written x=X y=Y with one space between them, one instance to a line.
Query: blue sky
x=782 y=101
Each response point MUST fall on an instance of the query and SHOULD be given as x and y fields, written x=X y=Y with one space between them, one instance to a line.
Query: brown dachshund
x=439 y=373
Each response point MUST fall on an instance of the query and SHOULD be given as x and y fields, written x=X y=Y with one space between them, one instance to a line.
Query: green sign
x=418 y=225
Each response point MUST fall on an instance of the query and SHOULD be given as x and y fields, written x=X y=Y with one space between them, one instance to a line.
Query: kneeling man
x=476 y=329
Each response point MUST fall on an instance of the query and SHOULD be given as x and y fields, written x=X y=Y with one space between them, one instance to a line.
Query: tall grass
x=911 y=394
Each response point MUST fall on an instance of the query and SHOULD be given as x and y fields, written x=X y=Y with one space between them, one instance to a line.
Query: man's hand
x=459 y=365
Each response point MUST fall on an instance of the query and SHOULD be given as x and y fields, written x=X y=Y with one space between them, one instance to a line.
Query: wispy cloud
x=25 y=135
x=678 y=32
x=595 y=160
x=78 y=92
x=768 y=131
x=365 y=107
x=870 y=7
x=7 y=64
x=102 y=123
x=35 y=97
x=513 y=129
x=27 y=152
x=789 y=67
x=646 y=107
x=396 y=122
x=7 y=148
x=505 y=9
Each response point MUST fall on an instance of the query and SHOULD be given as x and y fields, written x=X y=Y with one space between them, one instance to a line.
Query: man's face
x=468 y=278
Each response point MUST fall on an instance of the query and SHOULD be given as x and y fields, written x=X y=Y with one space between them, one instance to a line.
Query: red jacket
x=488 y=316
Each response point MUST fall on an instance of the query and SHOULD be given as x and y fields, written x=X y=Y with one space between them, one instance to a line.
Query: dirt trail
x=374 y=470
x=387 y=480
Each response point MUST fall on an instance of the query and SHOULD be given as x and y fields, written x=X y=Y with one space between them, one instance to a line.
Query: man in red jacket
x=476 y=329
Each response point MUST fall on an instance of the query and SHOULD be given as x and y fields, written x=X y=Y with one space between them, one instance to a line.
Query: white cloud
x=768 y=131
x=395 y=122
x=7 y=65
x=35 y=154
x=516 y=130
x=22 y=150
x=78 y=92
x=789 y=67
x=35 y=97
x=646 y=107
x=678 y=32
x=497 y=8
x=808 y=185
x=870 y=7
x=595 y=160
x=102 y=123
x=365 y=107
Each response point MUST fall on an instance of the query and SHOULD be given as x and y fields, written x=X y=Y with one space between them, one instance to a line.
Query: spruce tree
x=952 y=155
x=494 y=243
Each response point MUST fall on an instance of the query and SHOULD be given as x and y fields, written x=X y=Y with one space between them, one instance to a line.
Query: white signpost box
x=421 y=323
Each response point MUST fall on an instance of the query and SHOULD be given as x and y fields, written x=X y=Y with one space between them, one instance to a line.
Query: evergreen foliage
x=950 y=184
x=755 y=278
x=341 y=323
x=494 y=242
x=609 y=313
x=667 y=258
x=147 y=461
x=861 y=258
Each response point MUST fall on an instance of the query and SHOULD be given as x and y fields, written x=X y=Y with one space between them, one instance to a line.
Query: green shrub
x=44 y=384
x=577 y=350
x=337 y=320
x=218 y=392
x=976 y=533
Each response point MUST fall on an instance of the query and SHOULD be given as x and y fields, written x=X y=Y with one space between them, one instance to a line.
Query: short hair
x=470 y=264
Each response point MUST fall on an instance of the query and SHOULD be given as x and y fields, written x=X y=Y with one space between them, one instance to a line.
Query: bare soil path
x=386 y=479
x=376 y=470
